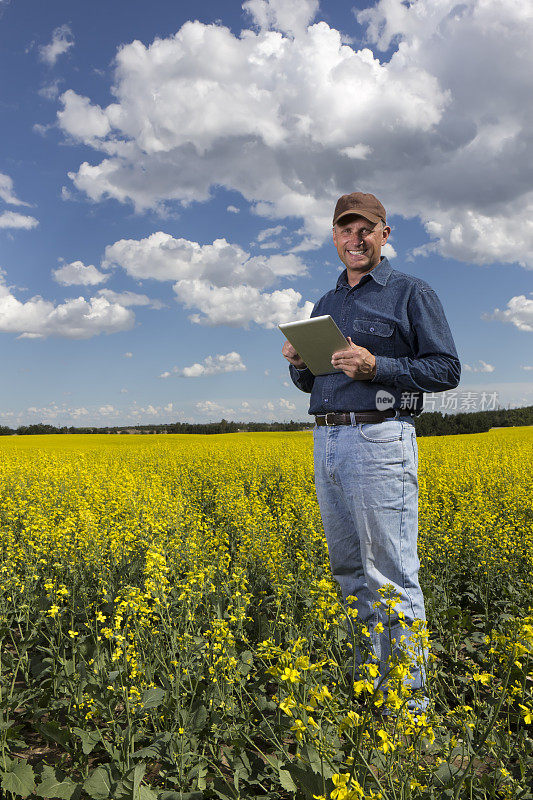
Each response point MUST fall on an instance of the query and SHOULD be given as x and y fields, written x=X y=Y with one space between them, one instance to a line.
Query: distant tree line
x=173 y=427
x=432 y=423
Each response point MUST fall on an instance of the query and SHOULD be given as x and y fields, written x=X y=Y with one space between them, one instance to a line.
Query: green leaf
x=53 y=787
x=180 y=796
x=98 y=784
x=313 y=759
x=446 y=773
x=223 y=790
x=124 y=788
x=197 y=719
x=52 y=731
x=305 y=780
x=138 y=775
x=247 y=660
x=318 y=765
x=286 y=781
x=172 y=796
x=153 y=697
x=19 y=779
x=89 y=739
x=156 y=748
x=130 y=787
x=202 y=775
x=145 y=793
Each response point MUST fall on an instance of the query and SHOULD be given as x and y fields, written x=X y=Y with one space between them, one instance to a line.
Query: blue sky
x=168 y=173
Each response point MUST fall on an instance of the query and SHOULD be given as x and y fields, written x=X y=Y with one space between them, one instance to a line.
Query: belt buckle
x=329 y=414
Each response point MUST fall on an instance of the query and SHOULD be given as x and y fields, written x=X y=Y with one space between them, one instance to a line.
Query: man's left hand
x=356 y=362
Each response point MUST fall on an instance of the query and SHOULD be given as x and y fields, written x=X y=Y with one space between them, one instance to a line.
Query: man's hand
x=292 y=356
x=356 y=362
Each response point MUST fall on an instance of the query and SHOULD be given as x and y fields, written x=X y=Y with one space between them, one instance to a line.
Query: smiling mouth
x=356 y=252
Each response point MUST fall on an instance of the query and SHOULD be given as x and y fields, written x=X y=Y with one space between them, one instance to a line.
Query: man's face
x=359 y=242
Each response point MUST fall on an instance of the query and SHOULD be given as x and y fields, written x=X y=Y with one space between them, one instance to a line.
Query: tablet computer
x=316 y=340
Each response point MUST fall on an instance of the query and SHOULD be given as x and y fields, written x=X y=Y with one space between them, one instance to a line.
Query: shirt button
x=326 y=400
x=371 y=329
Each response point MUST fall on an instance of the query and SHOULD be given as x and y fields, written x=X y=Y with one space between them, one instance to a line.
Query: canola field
x=170 y=629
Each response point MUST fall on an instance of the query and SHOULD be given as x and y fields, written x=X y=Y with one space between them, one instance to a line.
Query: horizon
x=308 y=422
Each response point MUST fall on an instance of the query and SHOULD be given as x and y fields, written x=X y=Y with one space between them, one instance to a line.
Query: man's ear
x=386 y=234
x=334 y=234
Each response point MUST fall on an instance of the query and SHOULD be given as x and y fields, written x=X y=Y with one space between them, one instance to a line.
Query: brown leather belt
x=345 y=418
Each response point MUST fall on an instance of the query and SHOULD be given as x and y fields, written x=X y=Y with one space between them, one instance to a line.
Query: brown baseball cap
x=364 y=205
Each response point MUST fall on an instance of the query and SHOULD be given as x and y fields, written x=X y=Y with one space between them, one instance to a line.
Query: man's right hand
x=292 y=356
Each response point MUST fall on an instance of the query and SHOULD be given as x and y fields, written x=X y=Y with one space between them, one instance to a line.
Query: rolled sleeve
x=303 y=379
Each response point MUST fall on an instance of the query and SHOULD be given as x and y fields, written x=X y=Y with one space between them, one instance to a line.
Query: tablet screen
x=316 y=340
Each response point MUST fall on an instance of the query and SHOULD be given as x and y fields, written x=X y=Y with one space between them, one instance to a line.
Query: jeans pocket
x=388 y=431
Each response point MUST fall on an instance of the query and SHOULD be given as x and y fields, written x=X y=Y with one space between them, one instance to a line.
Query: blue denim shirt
x=400 y=320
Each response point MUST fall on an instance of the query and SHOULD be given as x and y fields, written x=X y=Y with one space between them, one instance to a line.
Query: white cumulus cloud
x=62 y=41
x=81 y=119
x=270 y=233
x=11 y=219
x=519 y=312
x=164 y=258
x=213 y=365
x=77 y=273
x=213 y=410
x=6 y=191
x=221 y=279
x=297 y=117
x=481 y=366
x=74 y=319
x=130 y=299
x=283 y=15
x=287 y=405
x=240 y=305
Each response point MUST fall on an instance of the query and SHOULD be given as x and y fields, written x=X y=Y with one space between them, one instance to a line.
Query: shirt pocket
x=375 y=334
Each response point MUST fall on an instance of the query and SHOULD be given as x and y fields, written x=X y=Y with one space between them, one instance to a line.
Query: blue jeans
x=367 y=489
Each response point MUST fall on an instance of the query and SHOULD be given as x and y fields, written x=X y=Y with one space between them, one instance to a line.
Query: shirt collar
x=380 y=273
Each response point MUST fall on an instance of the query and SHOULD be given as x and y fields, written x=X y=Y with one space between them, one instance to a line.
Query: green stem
x=490 y=726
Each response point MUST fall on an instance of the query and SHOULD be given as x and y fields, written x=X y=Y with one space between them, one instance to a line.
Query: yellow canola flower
x=373 y=670
x=346 y=788
x=144 y=525
x=291 y=675
x=299 y=728
x=386 y=743
x=287 y=705
x=351 y=719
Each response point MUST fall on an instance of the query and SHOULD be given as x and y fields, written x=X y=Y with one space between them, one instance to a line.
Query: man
x=365 y=447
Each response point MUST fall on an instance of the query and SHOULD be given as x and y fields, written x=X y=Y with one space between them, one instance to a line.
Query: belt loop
x=352 y=418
